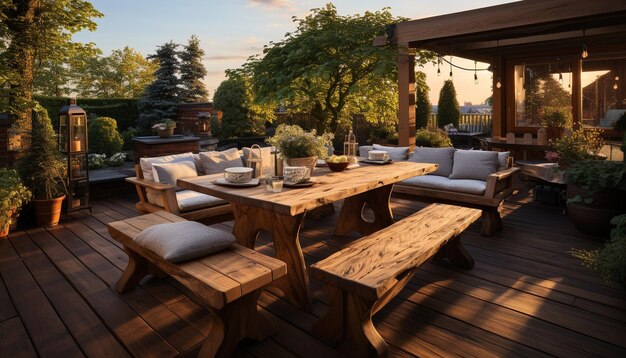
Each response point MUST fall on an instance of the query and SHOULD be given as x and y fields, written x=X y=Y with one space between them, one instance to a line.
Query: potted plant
x=583 y=144
x=299 y=147
x=165 y=128
x=596 y=192
x=43 y=170
x=13 y=194
x=554 y=121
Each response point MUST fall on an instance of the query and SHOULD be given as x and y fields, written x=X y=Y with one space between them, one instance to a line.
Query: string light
x=585 y=53
x=438 y=68
x=615 y=85
x=475 y=75
x=569 y=70
x=450 y=66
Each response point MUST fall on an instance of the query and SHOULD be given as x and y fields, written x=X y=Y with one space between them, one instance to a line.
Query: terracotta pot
x=4 y=231
x=593 y=221
x=308 y=162
x=48 y=212
x=165 y=133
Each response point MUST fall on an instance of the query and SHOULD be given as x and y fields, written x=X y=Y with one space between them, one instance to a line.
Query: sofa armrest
x=168 y=192
x=499 y=181
x=149 y=184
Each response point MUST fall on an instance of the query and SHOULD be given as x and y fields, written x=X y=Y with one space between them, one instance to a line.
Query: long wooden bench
x=228 y=283
x=361 y=278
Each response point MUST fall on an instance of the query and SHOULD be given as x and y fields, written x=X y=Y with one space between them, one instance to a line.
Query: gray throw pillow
x=169 y=173
x=183 y=241
x=395 y=153
x=474 y=164
x=503 y=160
x=441 y=156
x=217 y=162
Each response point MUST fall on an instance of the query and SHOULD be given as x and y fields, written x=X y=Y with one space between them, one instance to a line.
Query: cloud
x=225 y=58
x=271 y=3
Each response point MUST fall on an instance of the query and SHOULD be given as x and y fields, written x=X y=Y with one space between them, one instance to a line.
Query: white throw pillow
x=474 y=164
x=169 y=173
x=146 y=163
x=441 y=156
x=395 y=153
x=216 y=162
x=182 y=241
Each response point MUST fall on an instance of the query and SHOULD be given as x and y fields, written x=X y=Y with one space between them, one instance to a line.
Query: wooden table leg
x=351 y=218
x=249 y=221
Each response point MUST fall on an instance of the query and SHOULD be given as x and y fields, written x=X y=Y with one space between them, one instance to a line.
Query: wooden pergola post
x=406 y=97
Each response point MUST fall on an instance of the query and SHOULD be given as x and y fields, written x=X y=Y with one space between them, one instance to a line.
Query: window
x=603 y=94
x=541 y=87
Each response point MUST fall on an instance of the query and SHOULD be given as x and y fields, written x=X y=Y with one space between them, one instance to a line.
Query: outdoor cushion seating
x=479 y=179
x=156 y=187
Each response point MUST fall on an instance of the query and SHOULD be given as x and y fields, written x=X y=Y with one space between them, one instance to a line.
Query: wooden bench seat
x=365 y=275
x=228 y=283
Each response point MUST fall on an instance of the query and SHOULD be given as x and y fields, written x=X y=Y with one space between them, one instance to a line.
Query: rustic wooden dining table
x=281 y=214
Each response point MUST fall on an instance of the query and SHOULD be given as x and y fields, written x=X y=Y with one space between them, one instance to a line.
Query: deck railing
x=467 y=123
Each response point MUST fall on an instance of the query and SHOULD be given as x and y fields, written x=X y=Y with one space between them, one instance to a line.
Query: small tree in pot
x=43 y=170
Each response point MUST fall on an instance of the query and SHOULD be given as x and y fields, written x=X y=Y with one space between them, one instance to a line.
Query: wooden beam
x=406 y=97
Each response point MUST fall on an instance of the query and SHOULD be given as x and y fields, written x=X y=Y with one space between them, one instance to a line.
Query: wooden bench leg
x=492 y=221
x=454 y=252
x=136 y=269
x=348 y=322
x=351 y=218
x=237 y=320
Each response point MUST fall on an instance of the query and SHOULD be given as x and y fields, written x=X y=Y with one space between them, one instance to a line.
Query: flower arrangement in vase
x=583 y=144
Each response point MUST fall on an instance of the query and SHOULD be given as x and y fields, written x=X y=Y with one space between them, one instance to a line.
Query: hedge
x=123 y=110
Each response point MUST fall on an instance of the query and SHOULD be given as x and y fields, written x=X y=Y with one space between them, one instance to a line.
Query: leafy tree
x=123 y=74
x=104 y=137
x=159 y=99
x=240 y=116
x=192 y=72
x=422 y=102
x=36 y=34
x=448 y=107
x=329 y=68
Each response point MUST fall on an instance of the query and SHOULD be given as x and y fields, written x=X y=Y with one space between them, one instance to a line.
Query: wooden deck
x=526 y=296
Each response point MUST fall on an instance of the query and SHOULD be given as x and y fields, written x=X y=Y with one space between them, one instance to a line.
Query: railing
x=467 y=123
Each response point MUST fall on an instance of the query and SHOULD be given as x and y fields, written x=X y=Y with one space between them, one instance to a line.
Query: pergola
x=525 y=32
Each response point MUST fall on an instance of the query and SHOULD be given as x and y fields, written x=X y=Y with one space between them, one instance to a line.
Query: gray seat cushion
x=441 y=156
x=467 y=186
x=154 y=196
x=474 y=164
x=191 y=200
x=182 y=241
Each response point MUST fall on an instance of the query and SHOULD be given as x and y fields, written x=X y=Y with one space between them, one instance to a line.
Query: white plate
x=388 y=161
x=222 y=181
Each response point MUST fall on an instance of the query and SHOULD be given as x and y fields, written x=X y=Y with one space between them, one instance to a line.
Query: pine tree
x=448 y=107
x=160 y=98
x=422 y=102
x=192 y=72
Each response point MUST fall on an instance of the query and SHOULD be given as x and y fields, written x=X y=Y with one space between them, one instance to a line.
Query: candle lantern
x=73 y=145
x=255 y=162
x=278 y=162
x=350 y=147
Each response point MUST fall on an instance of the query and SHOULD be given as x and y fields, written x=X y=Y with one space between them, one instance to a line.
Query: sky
x=231 y=31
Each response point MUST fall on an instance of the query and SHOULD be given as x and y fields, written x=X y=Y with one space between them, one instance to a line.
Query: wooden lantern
x=350 y=147
x=255 y=162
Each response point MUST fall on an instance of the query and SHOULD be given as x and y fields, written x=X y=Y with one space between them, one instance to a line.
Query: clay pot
x=308 y=162
x=48 y=212
x=165 y=133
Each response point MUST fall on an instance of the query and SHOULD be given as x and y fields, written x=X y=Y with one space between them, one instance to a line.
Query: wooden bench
x=228 y=283
x=361 y=278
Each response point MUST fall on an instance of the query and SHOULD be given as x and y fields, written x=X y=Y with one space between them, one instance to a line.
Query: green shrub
x=127 y=137
x=432 y=137
x=104 y=137
x=448 y=106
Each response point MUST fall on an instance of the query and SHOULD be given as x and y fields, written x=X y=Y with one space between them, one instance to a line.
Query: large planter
x=48 y=212
x=4 y=231
x=594 y=218
x=308 y=162
x=165 y=133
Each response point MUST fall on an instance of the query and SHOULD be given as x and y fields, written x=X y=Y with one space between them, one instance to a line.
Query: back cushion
x=441 y=156
x=217 y=162
x=474 y=164
x=364 y=149
x=395 y=153
x=169 y=173
x=146 y=163
x=503 y=160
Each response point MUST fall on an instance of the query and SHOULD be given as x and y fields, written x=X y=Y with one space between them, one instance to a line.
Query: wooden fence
x=467 y=123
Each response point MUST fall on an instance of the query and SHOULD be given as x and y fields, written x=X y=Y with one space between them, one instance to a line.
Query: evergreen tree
x=422 y=102
x=192 y=72
x=448 y=107
x=240 y=116
x=161 y=96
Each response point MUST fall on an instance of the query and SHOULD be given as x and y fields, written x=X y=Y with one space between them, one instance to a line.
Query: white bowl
x=238 y=174
x=377 y=155
x=296 y=174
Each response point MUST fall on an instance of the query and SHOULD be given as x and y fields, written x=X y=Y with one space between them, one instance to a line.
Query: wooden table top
x=329 y=187
x=498 y=142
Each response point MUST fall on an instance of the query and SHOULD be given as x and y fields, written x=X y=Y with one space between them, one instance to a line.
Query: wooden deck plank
x=7 y=310
x=85 y=326
x=15 y=342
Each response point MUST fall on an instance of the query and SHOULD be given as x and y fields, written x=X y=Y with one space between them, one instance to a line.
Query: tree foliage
x=448 y=106
x=37 y=34
x=422 y=101
x=159 y=99
x=240 y=116
x=123 y=74
x=329 y=68
x=192 y=72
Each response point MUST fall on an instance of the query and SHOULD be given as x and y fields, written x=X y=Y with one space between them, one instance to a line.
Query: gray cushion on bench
x=468 y=186
x=441 y=156
x=182 y=241
x=474 y=164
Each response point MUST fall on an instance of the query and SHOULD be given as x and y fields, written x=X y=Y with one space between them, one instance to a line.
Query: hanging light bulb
x=561 y=78
x=585 y=52
x=450 y=66
x=498 y=84
x=438 y=64
x=475 y=75
x=615 y=86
